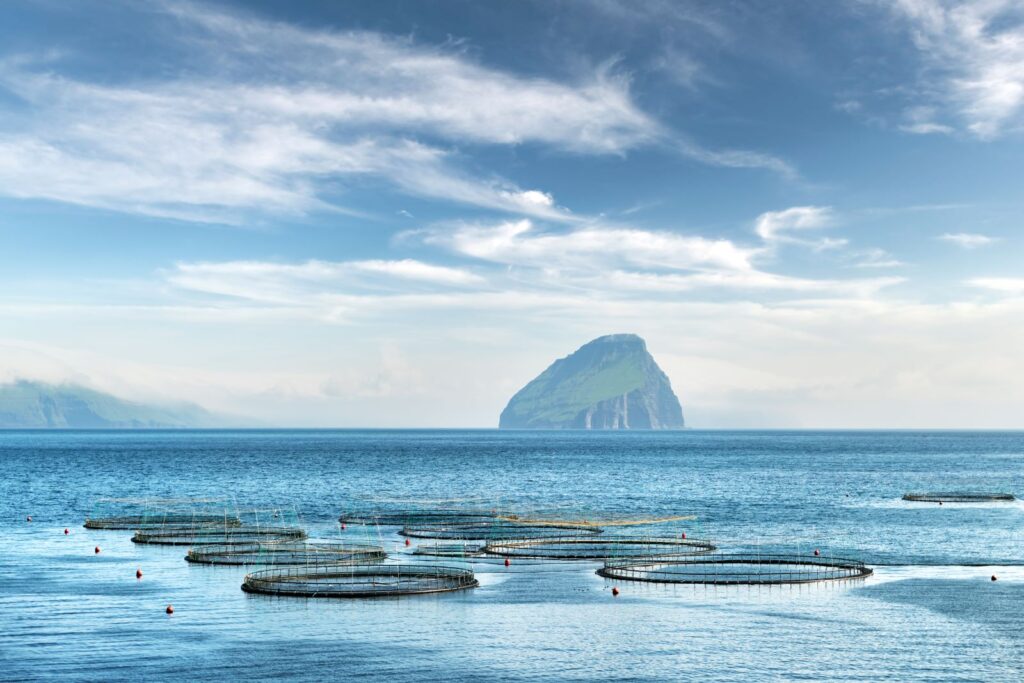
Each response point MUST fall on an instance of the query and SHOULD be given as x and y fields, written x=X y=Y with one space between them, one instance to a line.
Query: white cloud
x=967 y=240
x=777 y=227
x=974 y=58
x=1003 y=285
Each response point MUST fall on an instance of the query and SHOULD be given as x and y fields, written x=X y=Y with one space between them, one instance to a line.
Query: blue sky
x=397 y=213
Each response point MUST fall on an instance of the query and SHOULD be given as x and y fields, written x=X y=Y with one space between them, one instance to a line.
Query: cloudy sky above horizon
x=398 y=213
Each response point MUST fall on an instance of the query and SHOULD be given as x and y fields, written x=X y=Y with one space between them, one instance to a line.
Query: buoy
x=507 y=563
x=343 y=526
x=615 y=591
x=684 y=535
x=940 y=502
x=407 y=542
x=138 y=573
x=66 y=532
x=817 y=552
x=29 y=518
x=170 y=609
x=994 y=577
x=97 y=550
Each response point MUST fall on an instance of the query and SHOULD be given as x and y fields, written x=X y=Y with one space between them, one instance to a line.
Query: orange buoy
x=615 y=591
x=507 y=562
x=817 y=552
x=66 y=532
x=994 y=577
x=170 y=609
x=407 y=543
x=138 y=573
x=97 y=550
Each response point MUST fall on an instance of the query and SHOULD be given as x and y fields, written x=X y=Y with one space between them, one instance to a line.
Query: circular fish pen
x=285 y=552
x=737 y=570
x=959 y=497
x=360 y=581
x=495 y=530
x=217 y=535
x=448 y=549
x=416 y=516
x=597 y=548
x=158 y=521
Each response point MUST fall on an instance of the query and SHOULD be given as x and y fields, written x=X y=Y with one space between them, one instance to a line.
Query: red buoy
x=817 y=552
x=97 y=550
x=66 y=532
x=994 y=577
x=615 y=591
x=407 y=542
x=343 y=526
x=507 y=563
x=170 y=609
x=683 y=536
x=138 y=573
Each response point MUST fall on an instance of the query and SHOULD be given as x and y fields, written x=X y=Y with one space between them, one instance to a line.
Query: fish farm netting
x=131 y=514
x=217 y=535
x=285 y=552
x=360 y=581
x=958 y=497
x=448 y=549
x=725 y=570
x=597 y=548
x=415 y=516
x=496 y=530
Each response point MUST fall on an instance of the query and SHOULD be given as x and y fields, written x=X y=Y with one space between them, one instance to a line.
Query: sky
x=395 y=214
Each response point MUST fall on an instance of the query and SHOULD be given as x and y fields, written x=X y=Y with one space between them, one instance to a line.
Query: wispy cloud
x=1002 y=285
x=778 y=227
x=974 y=64
x=967 y=240
x=282 y=116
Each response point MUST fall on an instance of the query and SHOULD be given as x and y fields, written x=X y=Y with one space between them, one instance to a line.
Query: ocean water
x=929 y=613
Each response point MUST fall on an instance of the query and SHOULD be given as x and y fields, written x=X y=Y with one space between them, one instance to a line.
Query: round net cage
x=285 y=553
x=597 y=548
x=408 y=516
x=448 y=549
x=726 y=570
x=129 y=514
x=958 y=497
x=496 y=530
x=360 y=580
x=217 y=535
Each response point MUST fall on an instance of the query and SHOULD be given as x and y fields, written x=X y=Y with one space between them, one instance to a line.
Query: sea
x=929 y=612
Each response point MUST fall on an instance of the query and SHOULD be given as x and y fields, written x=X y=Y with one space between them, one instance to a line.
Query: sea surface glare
x=929 y=613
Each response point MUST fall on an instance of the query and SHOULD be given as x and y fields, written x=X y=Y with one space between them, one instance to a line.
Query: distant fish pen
x=496 y=530
x=360 y=581
x=449 y=549
x=217 y=535
x=287 y=552
x=597 y=548
x=415 y=516
x=959 y=497
x=129 y=514
x=737 y=570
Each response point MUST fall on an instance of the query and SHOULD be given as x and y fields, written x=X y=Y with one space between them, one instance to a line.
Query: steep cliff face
x=609 y=383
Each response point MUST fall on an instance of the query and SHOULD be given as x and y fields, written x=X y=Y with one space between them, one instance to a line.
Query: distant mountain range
x=611 y=382
x=35 y=405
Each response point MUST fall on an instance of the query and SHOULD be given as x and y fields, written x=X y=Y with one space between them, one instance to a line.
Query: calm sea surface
x=930 y=611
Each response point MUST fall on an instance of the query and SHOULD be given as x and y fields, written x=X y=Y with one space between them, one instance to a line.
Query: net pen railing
x=958 y=497
x=222 y=536
x=360 y=581
x=288 y=552
x=601 y=547
x=737 y=569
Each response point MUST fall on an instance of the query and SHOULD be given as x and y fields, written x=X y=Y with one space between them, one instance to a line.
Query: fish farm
x=285 y=552
x=959 y=497
x=360 y=581
x=495 y=530
x=216 y=535
x=597 y=548
x=737 y=570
